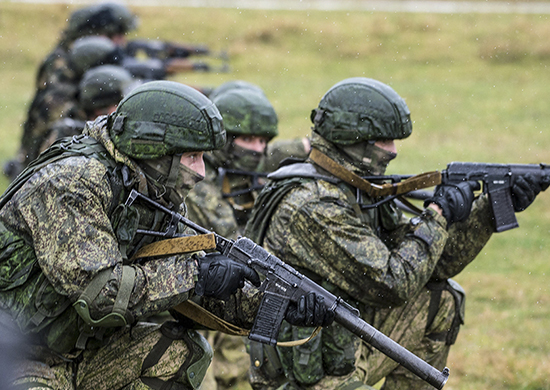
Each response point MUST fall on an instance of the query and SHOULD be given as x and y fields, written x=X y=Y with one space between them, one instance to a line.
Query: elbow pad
x=119 y=316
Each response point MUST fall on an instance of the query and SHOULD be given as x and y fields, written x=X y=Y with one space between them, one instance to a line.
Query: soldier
x=394 y=270
x=68 y=239
x=250 y=122
x=99 y=93
x=277 y=150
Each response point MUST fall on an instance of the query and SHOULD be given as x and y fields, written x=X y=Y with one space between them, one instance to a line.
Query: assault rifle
x=497 y=180
x=283 y=284
x=154 y=60
x=163 y=50
x=157 y=69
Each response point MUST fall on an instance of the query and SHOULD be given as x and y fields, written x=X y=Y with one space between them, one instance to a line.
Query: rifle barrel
x=391 y=348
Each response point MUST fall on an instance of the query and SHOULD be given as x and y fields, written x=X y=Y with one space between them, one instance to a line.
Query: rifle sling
x=410 y=205
x=178 y=245
x=202 y=316
x=423 y=180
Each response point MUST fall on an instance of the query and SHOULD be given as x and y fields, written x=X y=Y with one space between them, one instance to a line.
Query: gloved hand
x=220 y=277
x=454 y=199
x=525 y=189
x=310 y=311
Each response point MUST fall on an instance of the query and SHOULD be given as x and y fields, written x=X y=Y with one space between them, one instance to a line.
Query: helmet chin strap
x=157 y=172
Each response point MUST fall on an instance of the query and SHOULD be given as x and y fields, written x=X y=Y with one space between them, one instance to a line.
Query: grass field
x=478 y=87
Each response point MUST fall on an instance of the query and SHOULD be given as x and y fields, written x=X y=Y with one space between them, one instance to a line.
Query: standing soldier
x=70 y=270
x=395 y=271
x=222 y=202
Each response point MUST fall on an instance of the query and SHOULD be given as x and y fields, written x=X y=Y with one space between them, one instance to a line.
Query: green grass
x=478 y=90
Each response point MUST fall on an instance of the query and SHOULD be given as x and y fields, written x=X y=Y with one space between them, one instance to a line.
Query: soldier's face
x=194 y=161
x=252 y=142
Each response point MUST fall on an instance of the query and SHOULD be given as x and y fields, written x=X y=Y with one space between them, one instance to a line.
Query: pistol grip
x=503 y=210
x=269 y=318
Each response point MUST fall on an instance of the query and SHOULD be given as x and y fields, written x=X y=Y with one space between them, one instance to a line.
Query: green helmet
x=361 y=109
x=102 y=19
x=234 y=84
x=103 y=86
x=245 y=111
x=162 y=118
x=89 y=52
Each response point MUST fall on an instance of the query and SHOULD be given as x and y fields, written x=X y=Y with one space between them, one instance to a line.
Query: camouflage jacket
x=55 y=68
x=48 y=106
x=376 y=256
x=70 y=217
x=55 y=98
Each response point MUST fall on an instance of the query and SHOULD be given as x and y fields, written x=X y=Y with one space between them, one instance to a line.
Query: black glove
x=454 y=199
x=525 y=189
x=220 y=277
x=310 y=311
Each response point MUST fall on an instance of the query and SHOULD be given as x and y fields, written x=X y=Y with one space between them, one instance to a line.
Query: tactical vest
x=309 y=363
x=24 y=290
x=382 y=218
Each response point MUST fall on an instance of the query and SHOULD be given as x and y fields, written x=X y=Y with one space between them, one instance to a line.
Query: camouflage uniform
x=107 y=19
x=60 y=99
x=378 y=261
x=64 y=231
x=392 y=269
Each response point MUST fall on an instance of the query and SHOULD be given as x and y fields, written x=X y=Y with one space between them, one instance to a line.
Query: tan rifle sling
x=423 y=180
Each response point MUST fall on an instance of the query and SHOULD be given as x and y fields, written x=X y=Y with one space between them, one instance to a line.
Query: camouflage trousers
x=147 y=356
x=422 y=330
